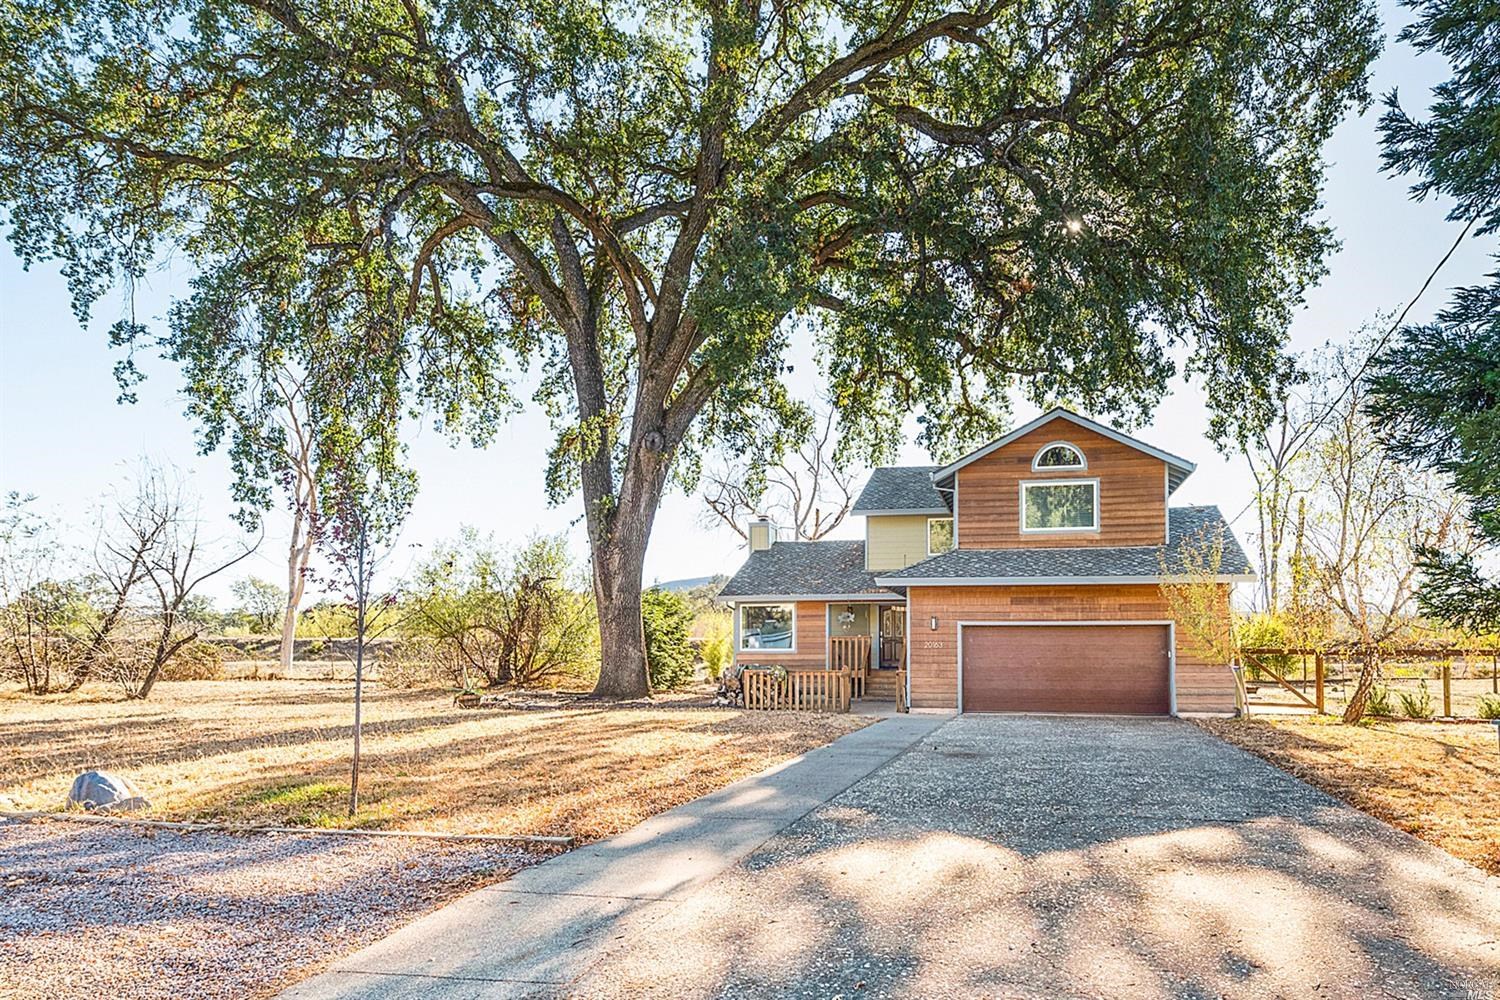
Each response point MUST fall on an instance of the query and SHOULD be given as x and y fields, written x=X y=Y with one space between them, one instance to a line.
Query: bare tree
x=126 y=535
x=1364 y=522
x=807 y=490
x=302 y=492
x=1271 y=460
x=157 y=525
x=42 y=617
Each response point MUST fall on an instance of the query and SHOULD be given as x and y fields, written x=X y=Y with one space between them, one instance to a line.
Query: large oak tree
x=644 y=204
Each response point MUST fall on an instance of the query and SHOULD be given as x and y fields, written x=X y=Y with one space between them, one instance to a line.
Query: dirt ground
x=106 y=911
x=278 y=752
x=90 y=910
x=1437 y=781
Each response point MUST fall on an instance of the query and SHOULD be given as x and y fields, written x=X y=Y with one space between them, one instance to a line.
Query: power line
x=1304 y=435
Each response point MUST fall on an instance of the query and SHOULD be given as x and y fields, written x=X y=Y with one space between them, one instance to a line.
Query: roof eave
x=914 y=511
x=1041 y=581
x=746 y=598
x=1082 y=421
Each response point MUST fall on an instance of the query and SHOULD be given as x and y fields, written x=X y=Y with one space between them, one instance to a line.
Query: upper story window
x=939 y=535
x=1060 y=505
x=1059 y=456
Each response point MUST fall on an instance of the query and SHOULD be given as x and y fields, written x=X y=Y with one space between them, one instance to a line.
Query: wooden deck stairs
x=883 y=685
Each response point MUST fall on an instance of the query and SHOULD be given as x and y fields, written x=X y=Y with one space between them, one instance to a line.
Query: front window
x=767 y=626
x=939 y=535
x=1063 y=505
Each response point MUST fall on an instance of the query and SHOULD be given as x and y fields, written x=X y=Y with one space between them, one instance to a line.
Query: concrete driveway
x=978 y=856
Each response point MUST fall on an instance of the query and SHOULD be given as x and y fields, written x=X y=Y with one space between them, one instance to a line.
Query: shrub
x=716 y=649
x=43 y=633
x=1263 y=630
x=415 y=663
x=666 y=619
x=520 y=617
x=1489 y=706
x=197 y=661
x=1417 y=704
x=1379 y=701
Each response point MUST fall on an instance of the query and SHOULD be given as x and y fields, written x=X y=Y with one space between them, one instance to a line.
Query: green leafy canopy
x=649 y=201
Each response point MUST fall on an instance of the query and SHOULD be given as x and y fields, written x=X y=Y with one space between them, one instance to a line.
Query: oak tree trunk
x=618 y=540
x=622 y=642
x=620 y=503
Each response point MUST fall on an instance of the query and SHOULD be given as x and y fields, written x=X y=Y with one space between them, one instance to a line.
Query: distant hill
x=692 y=583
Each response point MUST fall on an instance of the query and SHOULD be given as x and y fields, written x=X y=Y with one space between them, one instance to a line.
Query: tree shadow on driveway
x=1075 y=857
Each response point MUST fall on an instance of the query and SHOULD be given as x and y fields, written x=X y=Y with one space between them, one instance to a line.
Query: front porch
x=859 y=657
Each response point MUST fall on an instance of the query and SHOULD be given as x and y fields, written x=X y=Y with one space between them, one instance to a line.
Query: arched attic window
x=1059 y=456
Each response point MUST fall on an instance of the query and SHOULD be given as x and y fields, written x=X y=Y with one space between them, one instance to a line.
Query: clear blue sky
x=64 y=438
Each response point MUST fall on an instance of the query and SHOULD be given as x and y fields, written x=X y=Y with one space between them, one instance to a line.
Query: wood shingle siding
x=1202 y=686
x=1132 y=493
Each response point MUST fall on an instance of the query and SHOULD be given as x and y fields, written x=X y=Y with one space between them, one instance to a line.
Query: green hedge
x=667 y=620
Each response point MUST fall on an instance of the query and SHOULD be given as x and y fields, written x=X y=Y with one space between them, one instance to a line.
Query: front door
x=892 y=637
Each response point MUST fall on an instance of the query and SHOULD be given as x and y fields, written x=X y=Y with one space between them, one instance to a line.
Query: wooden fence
x=1443 y=655
x=798 y=691
x=851 y=653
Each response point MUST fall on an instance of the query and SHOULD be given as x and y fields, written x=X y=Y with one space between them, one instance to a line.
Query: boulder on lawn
x=104 y=791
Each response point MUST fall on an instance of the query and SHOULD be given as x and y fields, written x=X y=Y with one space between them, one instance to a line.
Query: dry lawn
x=278 y=752
x=138 y=915
x=1437 y=781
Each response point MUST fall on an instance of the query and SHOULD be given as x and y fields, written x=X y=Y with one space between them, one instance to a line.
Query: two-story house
x=1024 y=577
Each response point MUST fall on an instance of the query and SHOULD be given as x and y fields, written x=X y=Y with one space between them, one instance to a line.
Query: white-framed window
x=768 y=628
x=1059 y=456
x=1060 y=505
x=939 y=535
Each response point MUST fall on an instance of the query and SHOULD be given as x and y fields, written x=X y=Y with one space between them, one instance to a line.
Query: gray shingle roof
x=1187 y=526
x=904 y=489
x=804 y=569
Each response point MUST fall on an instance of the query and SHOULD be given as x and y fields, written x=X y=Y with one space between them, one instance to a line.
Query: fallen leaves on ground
x=1437 y=781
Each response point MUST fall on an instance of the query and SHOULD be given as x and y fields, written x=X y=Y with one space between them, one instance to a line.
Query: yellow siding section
x=894 y=541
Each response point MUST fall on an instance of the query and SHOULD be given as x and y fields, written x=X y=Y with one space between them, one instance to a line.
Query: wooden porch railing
x=851 y=653
x=799 y=691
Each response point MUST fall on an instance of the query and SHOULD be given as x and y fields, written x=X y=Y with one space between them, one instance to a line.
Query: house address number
x=933 y=644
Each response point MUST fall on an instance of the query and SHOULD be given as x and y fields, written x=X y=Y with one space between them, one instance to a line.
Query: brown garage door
x=1113 y=669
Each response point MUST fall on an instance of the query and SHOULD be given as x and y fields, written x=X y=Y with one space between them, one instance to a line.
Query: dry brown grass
x=278 y=752
x=1437 y=781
